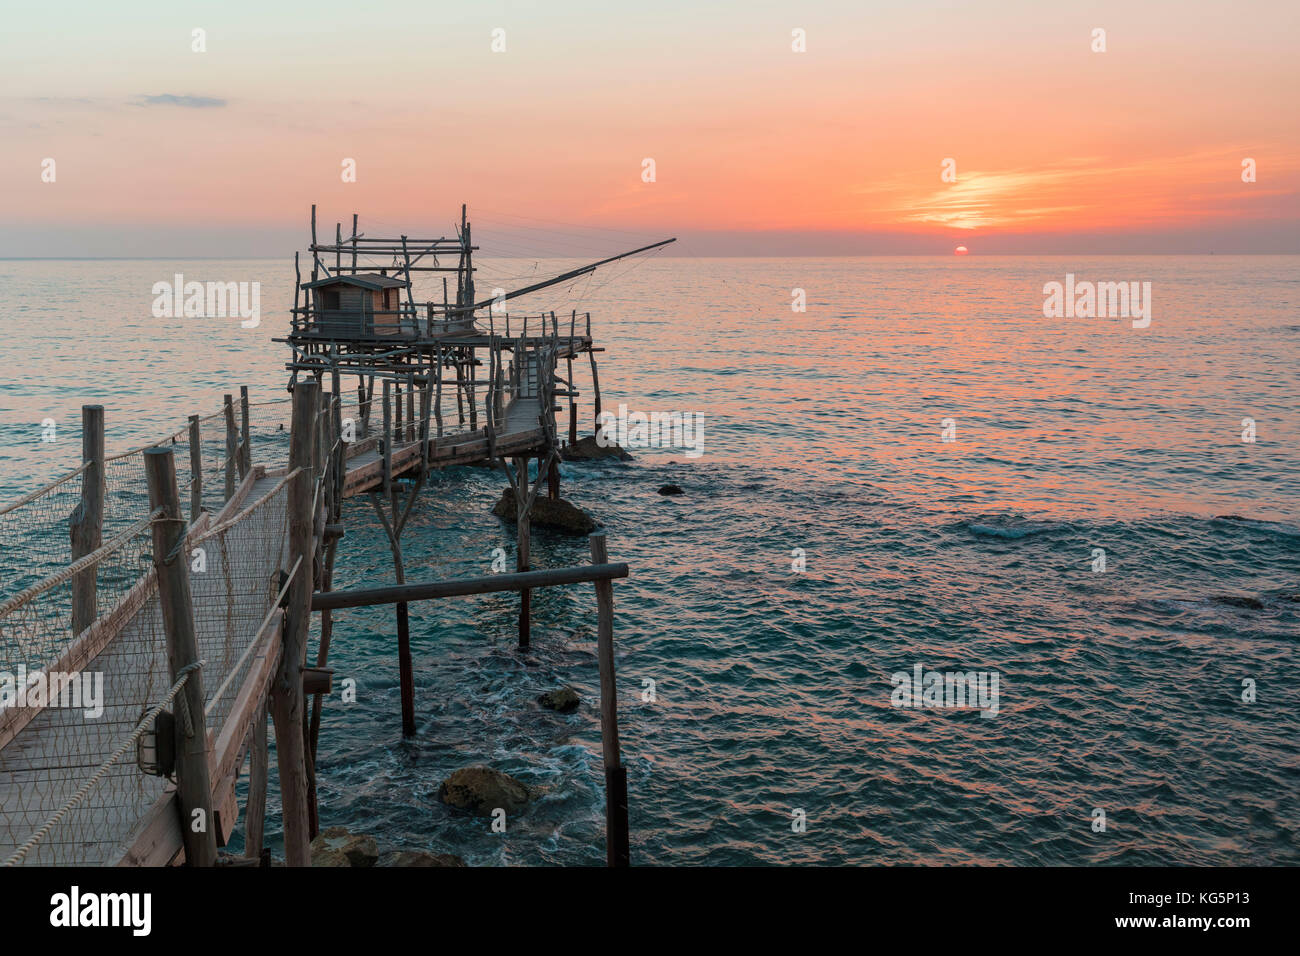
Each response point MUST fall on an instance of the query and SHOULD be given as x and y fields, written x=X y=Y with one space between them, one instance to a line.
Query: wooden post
x=196 y=468
x=232 y=453
x=258 y=767
x=363 y=409
x=522 y=533
x=437 y=397
x=86 y=524
x=245 y=449
x=472 y=393
x=287 y=701
x=410 y=407
x=193 y=787
x=616 y=823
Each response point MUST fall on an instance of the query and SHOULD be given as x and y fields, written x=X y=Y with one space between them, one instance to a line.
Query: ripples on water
x=1118 y=690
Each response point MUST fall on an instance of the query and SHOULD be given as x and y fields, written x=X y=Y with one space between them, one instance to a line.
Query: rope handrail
x=32 y=496
x=81 y=564
x=145 y=723
x=235 y=519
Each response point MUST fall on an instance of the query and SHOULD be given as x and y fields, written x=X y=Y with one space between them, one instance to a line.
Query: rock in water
x=671 y=490
x=588 y=449
x=420 y=858
x=337 y=846
x=482 y=790
x=565 y=700
x=545 y=513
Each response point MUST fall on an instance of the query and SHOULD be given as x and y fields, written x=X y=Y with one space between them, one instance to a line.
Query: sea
x=906 y=467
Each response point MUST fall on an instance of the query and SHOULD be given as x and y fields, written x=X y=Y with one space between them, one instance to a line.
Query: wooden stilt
x=616 y=822
x=86 y=524
x=523 y=529
x=258 y=768
x=287 y=700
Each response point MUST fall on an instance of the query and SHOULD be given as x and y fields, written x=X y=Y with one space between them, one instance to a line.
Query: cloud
x=190 y=102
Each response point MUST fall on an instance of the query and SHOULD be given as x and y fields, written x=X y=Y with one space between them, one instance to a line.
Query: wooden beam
x=461 y=587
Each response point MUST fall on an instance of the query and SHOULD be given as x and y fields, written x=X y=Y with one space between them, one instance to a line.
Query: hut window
x=329 y=298
x=386 y=305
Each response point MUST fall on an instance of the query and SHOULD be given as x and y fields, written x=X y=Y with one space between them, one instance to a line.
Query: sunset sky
x=162 y=151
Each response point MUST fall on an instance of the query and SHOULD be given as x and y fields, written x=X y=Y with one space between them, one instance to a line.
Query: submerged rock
x=482 y=790
x=338 y=846
x=420 y=858
x=588 y=449
x=671 y=490
x=545 y=513
x=565 y=700
x=1237 y=600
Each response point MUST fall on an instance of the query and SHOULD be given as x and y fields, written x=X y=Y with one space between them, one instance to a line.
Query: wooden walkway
x=129 y=817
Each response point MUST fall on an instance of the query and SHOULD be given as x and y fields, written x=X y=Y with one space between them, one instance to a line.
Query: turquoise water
x=1119 y=691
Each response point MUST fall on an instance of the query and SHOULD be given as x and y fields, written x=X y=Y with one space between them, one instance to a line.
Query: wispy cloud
x=190 y=102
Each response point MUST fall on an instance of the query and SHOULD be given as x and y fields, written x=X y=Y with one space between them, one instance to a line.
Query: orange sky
x=162 y=150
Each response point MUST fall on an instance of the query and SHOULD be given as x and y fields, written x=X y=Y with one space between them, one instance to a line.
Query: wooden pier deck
x=129 y=817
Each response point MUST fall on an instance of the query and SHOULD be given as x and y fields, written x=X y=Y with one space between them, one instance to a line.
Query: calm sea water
x=1119 y=690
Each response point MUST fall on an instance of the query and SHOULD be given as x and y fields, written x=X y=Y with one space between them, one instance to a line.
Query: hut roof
x=366 y=280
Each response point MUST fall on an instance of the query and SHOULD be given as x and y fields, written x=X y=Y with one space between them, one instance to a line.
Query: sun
x=961 y=251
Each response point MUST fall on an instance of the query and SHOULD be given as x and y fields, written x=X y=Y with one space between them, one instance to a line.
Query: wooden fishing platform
x=199 y=646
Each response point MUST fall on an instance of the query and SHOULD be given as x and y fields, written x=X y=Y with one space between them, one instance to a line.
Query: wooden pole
x=522 y=533
x=553 y=479
x=232 y=453
x=258 y=767
x=245 y=448
x=196 y=468
x=616 y=823
x=595 y=385
x=363 y=410
x=410 y=407
x=86 y=524
x=193 y=787
x=287 y=700
x=354 y=243
x=437 y=397
x=388 y=437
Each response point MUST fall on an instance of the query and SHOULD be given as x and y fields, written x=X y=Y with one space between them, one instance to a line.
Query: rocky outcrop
x=338 y=846
x=557 y=515
x=588 y=449
x=671 y=490
x=565 y=700
x=481 y=790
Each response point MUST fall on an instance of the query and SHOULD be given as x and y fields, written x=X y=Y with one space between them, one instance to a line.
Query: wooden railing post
x=245 y=451
x=388 y=435
x=616 y=824
x=196 y=468
x=287 y=697
x=193 y=788
x=86 y=524
x=232 y=452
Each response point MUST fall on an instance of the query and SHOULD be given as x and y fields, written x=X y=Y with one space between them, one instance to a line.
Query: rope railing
x=143 y=727
x=81 y=564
